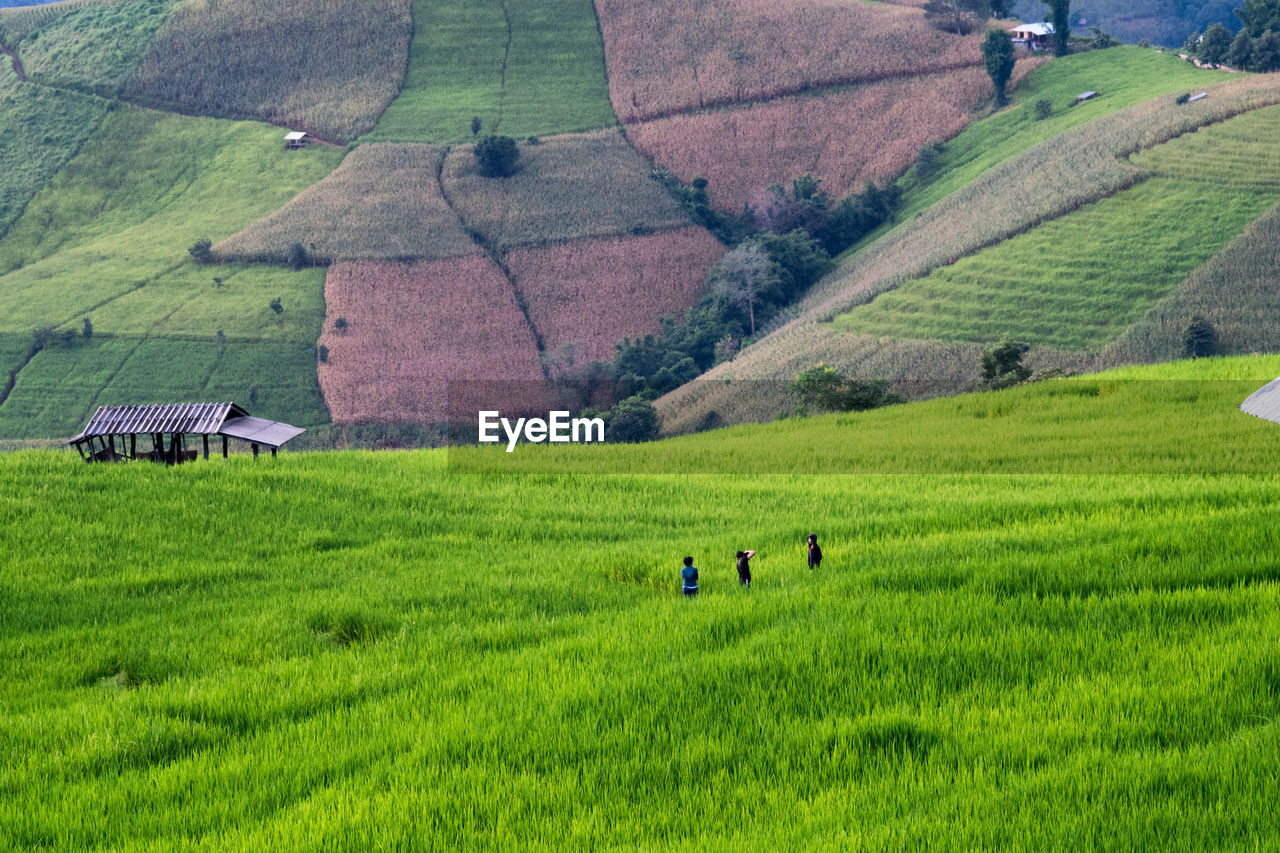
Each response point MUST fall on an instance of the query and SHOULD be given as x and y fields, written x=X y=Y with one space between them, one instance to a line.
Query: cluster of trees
x=777 y=251
x=963 y=16
x=1256 y=47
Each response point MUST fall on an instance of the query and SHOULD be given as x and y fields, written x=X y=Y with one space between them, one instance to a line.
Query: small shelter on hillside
x=97 y=442
x=1034 y=36
x=296 y=139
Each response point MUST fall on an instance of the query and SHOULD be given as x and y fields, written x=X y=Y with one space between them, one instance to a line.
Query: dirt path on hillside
x=17 y=63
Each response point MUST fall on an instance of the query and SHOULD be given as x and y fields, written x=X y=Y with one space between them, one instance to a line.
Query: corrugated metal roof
x=260 y=431
x=295 y=135
x=1265 y=402
x=1041 y=29
x=188 y=418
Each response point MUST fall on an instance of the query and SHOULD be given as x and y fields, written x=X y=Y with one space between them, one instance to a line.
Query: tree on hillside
x=1240 y=54
x=742 y=275
x=997 y=53
x=1060 y=11
x=1002 y=364
x=497 y=156
x=957 y=16
x=1258 y=16
x=822 y=388
x=1214 y=45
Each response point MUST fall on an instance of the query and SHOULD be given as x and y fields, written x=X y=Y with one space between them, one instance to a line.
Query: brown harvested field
x=567 y=187
x=414 y=327
x=670 y=56
x=844 y=136
x=330 y=67
x=593 y=293
x=383 y=202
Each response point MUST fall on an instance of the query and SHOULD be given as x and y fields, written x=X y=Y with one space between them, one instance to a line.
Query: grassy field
x=523 y=67
x=330 y=67
x=91 y=46
x=1123 y=77
x=107 y=239
x=372 y=650
x=1078 y=281
x=40 y=130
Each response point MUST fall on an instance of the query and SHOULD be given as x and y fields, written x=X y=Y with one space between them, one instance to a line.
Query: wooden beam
x=206 y=445
x=224 y=447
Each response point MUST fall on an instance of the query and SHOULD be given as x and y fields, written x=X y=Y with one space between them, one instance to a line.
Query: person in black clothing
x=744 y=567
x=815 y=553
x=689 y=578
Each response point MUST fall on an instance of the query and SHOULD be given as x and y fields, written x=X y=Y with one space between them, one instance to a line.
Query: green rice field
x=1076 y=282
x=365 y=650
x=524 y=68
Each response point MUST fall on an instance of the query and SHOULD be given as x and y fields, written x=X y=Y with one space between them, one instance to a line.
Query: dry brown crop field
x=1089 y=162
x=567 y=187
x=845 y=136
x=330 y=67
x=590 y=294
x=412 y=327
x=383 y=202
x=670 y=56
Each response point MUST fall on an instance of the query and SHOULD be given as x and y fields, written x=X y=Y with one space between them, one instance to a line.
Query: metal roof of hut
x=178 y=420
x=1264 y=403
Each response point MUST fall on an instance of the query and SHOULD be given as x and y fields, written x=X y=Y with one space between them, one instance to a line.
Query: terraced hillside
x=1026 y=235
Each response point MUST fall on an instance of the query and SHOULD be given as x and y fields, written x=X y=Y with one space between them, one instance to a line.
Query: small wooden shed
x=296 y=139
x=97 y=442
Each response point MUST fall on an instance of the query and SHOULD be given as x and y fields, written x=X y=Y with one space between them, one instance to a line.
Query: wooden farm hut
x=296 y=139
x=1034 y=36
x=112 y=433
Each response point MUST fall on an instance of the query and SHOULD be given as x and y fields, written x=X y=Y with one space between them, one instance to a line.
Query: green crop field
x=1123 y=77
x=1078 y=281
x=523 y=67
x=107 y=240
x=371 y=650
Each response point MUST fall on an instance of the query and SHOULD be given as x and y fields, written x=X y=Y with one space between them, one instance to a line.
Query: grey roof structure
x=1264 y=403
x=226 y=419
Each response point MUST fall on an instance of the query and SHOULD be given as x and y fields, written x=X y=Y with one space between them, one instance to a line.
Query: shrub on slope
x=590 y=294
x=566 y=187
x=326 y=66
x=673 y=55
x=384 y=201
x=410 y=329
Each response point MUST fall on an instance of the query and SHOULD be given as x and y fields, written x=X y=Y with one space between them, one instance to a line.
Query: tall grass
x=384 y=201
x=330 y=67
x=523 y=68
x=411 y=328
x=363 y=650
x=669 y=57
x=585 y=296
x=567 y=187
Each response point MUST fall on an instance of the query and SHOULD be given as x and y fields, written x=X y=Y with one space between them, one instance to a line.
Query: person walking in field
x=815 y=553
x=689 y=578
x=744 y=568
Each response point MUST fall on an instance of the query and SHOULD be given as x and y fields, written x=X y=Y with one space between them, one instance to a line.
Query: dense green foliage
x=497 y=156
x=360 y=650
x=523 y=67
x=997 y=55
x=112 y=230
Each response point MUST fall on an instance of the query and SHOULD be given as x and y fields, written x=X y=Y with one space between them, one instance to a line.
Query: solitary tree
x=1061 y=13
x=475 y=125
x=88 y=328
x=1002 y=364
x=997 y=53
x=1214 y=45
x=1200 y=339
x=742 y=275
x=633 y=419
x=497 y=156
x=201 y=250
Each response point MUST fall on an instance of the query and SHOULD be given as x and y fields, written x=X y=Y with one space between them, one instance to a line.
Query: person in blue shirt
x=689 y=577
x=815 y=553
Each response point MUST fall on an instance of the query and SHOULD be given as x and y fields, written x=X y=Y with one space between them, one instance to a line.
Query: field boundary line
x=502 y=73
x=17 y=63
x=816 y=87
